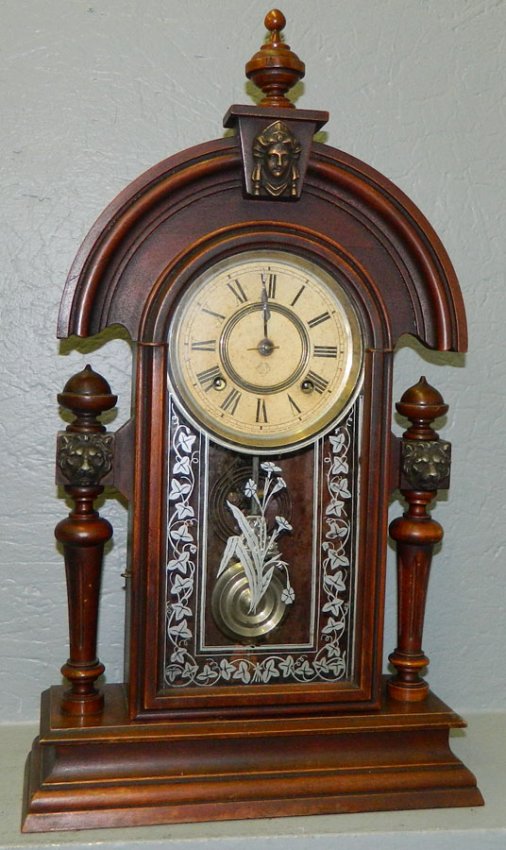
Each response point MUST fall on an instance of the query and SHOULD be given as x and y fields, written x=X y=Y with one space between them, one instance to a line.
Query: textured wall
x=95 y=91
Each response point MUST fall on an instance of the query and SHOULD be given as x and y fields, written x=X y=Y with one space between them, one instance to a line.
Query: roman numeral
x=238 y=291
x=212 y=313
x=293 y=404
x=299 y=293
x=231 y=401
x=204 y=345
x=319 y=383
x=318 y=319
x=208 y=376
x=325 y=351
x=261 y=411
x=269 y=281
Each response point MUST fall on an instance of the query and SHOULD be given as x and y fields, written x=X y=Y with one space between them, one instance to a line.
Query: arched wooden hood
x=165 y=213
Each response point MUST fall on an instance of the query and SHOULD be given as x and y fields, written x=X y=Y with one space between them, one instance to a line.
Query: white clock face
x=265 y=350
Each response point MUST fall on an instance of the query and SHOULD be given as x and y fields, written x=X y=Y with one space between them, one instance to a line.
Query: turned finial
x=87 y=394
x=421 y=403
x=275 y=69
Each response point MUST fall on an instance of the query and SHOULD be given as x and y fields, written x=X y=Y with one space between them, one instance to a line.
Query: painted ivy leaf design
x=182 y=466
x=287 y=666
x=336 y=558
x=178 y=656
x=335 y=508
x=333 y=626
x=337 y=666
x=181 y=631
x=337 y=442
x=178 y=489
x=336 y=529
x=185 y=440
x=184 y=511
x=340 y=488
x=242 y=672
x=181 y=585
x=180 y=533
x=181 y=610
x=333 y=651
x=172 y=673
x=180 y=563
x=227 y=669
x=269 y=671
x=189 y=671
x=335 y=581
x=339 y=559
x=339 y=465
x=335 y=607
x=304 y=669
x=207 y=673
x=181 y=552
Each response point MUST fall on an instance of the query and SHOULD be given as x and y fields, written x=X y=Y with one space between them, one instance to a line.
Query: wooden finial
x=421 y=403
x=275 y=69
x=88 y=395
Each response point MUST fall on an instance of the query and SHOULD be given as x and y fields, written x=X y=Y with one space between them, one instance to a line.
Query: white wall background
x=93 y=92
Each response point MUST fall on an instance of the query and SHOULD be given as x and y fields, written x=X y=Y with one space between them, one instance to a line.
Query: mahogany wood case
x=251 y=729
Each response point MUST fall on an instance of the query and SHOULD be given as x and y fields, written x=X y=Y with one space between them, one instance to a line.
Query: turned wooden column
x=424 y=467
x=84 y=457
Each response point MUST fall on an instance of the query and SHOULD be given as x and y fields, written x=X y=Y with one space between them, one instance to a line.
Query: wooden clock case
x=139 y=753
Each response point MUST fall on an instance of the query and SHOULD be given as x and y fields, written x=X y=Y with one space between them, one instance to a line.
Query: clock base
x=109 y=771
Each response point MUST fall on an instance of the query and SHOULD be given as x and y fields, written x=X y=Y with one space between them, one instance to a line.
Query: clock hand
x=265 y=347
x=265 y=307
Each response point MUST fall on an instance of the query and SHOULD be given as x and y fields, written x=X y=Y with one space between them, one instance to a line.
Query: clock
x=264 y=280
x=265 y=351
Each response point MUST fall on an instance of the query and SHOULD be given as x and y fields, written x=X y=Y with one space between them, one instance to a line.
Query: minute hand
x=265 y=307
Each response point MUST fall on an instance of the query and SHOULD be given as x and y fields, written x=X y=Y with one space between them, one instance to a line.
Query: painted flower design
x=255 y=547
x=288 y=595
x=271 y=468
x=283 y=524
x=250 y=488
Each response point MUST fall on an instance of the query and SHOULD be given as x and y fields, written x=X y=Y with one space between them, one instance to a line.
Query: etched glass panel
x=260 y=581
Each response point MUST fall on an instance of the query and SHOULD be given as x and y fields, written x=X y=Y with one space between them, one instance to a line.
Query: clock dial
x=265 y=350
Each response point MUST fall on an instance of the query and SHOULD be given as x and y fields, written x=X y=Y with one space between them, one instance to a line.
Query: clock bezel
x=287 y=439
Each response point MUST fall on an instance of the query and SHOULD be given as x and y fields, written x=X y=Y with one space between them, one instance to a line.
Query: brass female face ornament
x=276 y=152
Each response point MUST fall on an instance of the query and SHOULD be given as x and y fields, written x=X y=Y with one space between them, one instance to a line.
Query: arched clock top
x=409 y=282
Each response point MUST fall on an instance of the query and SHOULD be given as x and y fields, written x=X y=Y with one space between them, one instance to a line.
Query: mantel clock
x=264 y=280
